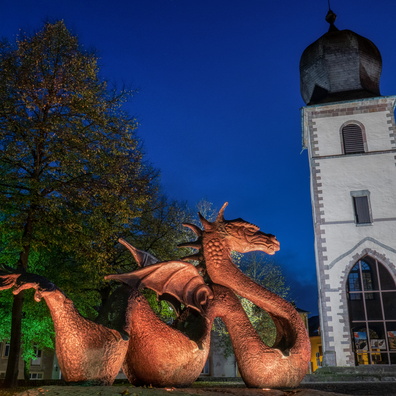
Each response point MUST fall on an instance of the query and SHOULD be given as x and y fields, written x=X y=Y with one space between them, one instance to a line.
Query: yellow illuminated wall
x=316 y=352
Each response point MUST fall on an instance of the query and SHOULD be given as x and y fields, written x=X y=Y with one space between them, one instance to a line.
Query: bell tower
x=349 y=132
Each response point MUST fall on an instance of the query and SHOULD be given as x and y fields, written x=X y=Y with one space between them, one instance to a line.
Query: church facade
x=349 y=132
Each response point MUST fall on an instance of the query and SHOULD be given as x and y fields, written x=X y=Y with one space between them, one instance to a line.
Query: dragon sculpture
x=283 y=364
x=163 y=355
x=286 y=362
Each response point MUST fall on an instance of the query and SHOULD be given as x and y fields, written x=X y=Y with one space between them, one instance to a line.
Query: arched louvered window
x=352 y=136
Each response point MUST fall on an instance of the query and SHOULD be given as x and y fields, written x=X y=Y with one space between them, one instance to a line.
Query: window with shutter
x=362 y=209
x=353 y=141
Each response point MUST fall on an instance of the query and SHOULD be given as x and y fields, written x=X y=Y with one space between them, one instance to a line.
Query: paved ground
x=333 y=389
x=129 y=391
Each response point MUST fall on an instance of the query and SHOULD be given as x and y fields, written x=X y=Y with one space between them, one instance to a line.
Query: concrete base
x=367 y=373
x=329 y=359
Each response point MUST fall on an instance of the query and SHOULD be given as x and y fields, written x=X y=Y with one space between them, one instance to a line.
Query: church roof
x=340 y=65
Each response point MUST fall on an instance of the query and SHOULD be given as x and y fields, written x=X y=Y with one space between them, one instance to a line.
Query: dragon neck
x=217 y=255
x=61 y=308
x=223 y=271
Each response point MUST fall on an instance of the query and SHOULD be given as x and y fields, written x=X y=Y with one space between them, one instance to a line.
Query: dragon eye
x=252 y=228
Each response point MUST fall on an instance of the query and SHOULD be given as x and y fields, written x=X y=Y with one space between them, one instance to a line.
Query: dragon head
x=240 y=235
x=244 y=237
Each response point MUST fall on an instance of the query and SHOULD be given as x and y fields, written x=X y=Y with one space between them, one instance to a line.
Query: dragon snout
x=275 y=243
x=267 y=242
x=273 y=240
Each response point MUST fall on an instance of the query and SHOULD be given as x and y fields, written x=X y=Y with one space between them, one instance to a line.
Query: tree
x=160 y=228
x=72 y=176
x=157 y=231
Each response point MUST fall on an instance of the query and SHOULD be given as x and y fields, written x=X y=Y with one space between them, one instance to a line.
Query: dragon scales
x=160 y=354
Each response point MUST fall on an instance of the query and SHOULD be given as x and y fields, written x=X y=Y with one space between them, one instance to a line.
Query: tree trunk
x=10 y=380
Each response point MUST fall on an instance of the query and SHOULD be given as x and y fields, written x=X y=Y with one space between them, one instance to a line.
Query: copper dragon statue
x=159 y=354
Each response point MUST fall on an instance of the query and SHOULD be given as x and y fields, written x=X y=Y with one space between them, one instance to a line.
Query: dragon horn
x=220 y=216
x=194 y=245
x=194 y=228
x=195 y=257
x=206 y=224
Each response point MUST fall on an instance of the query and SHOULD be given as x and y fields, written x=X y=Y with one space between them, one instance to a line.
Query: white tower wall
x=335 y=178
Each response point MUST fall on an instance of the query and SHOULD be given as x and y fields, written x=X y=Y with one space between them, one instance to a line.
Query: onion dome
x=340 y=65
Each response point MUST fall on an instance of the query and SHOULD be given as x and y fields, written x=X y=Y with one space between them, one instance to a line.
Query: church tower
x=350 y=133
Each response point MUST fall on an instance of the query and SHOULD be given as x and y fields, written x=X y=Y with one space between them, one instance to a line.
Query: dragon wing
x=177 y=278
x=142 y=258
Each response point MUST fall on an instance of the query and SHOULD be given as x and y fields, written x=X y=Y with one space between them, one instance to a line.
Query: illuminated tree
x=160 y=228
x=72 y=176
x=158 y=231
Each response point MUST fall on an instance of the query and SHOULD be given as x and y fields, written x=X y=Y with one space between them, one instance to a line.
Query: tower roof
x=340 y=65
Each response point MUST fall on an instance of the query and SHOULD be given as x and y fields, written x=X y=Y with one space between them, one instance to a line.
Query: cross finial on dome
x=330 y=18
x=331 y=67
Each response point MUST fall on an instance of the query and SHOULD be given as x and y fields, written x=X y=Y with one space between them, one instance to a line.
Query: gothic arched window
x=371 y=292
x=352 y=139
x=360 y=280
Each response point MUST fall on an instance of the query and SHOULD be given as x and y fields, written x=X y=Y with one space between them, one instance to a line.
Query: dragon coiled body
x=160 y=355
x=86 y=351
x=79 y=342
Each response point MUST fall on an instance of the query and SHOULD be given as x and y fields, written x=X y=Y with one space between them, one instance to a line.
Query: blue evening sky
x=218 y=97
